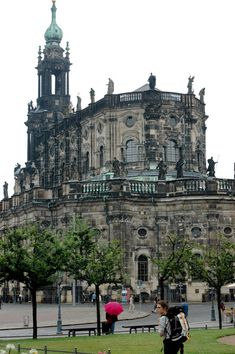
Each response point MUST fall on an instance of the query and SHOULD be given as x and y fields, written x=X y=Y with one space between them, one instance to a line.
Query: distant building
x=100 y=162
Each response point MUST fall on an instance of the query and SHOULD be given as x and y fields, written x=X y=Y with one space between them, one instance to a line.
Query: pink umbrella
x=113 y=308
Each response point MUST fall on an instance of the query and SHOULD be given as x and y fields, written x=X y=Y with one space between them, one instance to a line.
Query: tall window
x=142 y=268
x=200 y=161
x=172 y=152
x=53 y=81
x=86 y=163
x=131 y=151
x=101 y=156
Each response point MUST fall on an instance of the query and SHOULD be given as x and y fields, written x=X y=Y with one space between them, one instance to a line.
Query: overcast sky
x=125 y=40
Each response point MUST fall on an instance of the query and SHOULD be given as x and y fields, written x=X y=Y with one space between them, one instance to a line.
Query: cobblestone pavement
x=13 y=317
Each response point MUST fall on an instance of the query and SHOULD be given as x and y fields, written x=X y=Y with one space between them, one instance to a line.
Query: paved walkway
x=13 y=317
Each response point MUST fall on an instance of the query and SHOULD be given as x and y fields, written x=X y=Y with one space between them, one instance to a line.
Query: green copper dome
x=53 y=34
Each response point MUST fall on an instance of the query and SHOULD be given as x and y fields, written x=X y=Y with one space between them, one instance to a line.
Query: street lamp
x=212 y=305
x=59 y=319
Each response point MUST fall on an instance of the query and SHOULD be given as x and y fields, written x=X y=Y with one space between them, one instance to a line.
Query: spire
x=53 y=34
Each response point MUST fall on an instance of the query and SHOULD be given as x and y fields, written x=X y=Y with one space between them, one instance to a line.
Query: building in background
x=132 y=163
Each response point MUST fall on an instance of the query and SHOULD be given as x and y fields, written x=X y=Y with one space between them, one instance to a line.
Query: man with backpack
x=173 y=327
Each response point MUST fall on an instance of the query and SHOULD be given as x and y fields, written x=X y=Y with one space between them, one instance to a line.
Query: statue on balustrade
x=116 y=167
x=202 y=94
x=211 y=167
x=190 y=84
x=79 y=103
x=110 y=87
x=92 y=95
x=5 y=190
x=179 y=168
x=152 y=81
x=30 y=106
x=162 y=167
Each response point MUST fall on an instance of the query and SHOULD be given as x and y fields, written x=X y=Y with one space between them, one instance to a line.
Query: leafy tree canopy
x=173 y=263
x=89 y=257
x=30 y=255
x=216 y=264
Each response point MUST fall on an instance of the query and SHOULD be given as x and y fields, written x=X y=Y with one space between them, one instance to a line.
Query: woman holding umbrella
x=112 y=309
x=111 y=319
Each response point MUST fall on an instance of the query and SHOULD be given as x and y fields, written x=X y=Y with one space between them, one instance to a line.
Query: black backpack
x=177 y=332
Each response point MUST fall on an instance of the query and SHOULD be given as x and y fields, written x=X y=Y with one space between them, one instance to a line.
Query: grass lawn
x=201 y=342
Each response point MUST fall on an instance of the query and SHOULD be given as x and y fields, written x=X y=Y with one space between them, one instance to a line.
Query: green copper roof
x=53 y=34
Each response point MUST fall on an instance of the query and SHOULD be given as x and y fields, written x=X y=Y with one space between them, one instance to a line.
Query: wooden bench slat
x=135 y=327
x=72 y=331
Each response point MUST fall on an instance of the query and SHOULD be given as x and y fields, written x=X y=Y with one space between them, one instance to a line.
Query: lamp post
x=212 y=306
x=59 y=319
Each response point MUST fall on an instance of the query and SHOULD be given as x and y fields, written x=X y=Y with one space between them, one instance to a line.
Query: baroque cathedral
x=133 y=164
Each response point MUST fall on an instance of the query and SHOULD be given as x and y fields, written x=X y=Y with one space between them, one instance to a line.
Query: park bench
x=142 y=327
x=72 y=331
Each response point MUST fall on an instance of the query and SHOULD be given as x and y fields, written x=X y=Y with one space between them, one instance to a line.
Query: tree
x=92 y=259
x=172 y=265
x=31 y=255
x=215 y=266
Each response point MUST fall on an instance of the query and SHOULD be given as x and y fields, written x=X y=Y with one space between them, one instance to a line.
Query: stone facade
x=101 y=163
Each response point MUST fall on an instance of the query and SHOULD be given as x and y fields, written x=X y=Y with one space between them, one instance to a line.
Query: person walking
x=222 y=310
x=155 y=305
x=93 y=298
x=131 y=304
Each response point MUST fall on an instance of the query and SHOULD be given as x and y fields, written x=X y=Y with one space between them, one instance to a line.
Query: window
x=130 y=121
x=196 y=231
x=142 y=268
x=101 y=156
x=200 y=161
x=172 y=152
x=86 y=163
x=228 y=231
x=131 y=151
x=53 y=80
x=142 y=232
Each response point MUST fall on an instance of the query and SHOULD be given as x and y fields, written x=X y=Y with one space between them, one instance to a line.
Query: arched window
x=101 y=156
x=131 y=151
x=172 y=152
x=200 y=161
x=86 y=162
x=53 y=83
x=143 y=268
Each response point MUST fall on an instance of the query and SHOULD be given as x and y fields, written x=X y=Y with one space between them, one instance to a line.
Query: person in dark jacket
x=111 y=319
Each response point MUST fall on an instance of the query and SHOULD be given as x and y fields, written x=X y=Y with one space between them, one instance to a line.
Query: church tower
x=53 y=70
x=52 y=109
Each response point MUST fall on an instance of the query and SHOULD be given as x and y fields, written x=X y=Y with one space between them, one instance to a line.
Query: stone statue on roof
x=92 y=95
x=79 y=103
x=152 y=81
x=110 y=85
x=211 y=167
x=162 y=167
x=179 y=168
x=5 y=190
x=190 y=84
x=202 y=94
